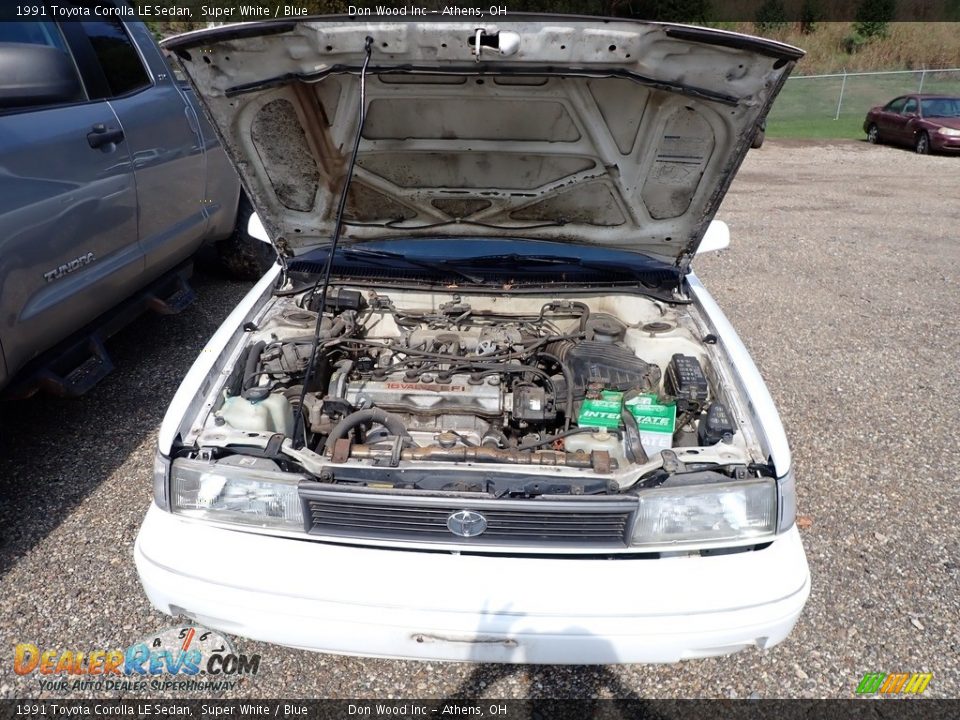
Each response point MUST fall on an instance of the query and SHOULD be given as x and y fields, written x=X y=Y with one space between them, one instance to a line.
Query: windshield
x=460 y=248
x=940 y=107
x=503 y=262
x=461 y=251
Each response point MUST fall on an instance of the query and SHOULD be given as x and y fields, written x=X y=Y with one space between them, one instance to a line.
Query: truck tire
x=244 y=257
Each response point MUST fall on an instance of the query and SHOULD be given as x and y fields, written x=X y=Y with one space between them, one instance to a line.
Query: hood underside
x=615 y=133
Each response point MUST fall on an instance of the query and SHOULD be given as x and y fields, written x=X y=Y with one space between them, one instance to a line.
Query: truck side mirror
x=33 y=75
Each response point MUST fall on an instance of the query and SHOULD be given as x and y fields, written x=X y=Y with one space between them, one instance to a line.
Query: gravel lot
x=842 y=279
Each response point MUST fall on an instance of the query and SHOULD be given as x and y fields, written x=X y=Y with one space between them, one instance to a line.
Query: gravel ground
x=842 y=279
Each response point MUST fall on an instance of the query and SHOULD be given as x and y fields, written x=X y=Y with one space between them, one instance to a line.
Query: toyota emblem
x=466 y=523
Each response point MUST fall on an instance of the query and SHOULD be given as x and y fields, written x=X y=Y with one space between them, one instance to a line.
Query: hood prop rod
x=323 y=281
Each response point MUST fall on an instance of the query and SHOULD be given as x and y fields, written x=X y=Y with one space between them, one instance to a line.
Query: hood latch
x=506 y=43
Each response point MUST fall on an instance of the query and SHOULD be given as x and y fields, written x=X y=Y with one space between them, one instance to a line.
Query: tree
x=810 y=14
x=873 y=18
x=682 y=11
x=770 y=16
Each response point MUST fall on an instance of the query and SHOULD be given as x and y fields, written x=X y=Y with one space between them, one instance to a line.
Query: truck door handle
x=100 y=135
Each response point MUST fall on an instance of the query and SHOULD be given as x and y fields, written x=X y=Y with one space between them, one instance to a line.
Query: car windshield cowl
x=506 y=262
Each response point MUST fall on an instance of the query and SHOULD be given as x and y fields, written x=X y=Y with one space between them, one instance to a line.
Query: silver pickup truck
x=111 y=179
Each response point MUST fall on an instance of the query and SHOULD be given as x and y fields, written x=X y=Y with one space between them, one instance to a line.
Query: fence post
x=923 y=74
x=843 y=84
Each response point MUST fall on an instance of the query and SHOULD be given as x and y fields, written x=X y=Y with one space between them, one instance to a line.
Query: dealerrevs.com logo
x=177 y=658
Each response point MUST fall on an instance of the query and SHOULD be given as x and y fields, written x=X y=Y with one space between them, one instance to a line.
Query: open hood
x=606 y=132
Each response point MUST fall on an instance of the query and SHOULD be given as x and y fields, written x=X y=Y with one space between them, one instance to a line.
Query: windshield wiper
x=513 y=260
x=656 y=277
x=519 y=260
x=397 y=224
x=368 y=254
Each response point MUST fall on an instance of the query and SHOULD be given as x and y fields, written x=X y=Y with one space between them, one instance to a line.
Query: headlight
x=715 y=513
x=786 y=502
x=161 y=480
x=241 y=491
x=949 y=132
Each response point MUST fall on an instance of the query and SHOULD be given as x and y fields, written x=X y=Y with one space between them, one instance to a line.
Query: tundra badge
x=69 y=267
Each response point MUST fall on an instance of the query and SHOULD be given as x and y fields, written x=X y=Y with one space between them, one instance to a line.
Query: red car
x=927 y=123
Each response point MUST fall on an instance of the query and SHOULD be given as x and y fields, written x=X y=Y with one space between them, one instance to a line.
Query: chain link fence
x=835 y=105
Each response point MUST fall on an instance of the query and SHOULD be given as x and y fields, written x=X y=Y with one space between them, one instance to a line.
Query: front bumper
x=943 y=143
x=443 y=606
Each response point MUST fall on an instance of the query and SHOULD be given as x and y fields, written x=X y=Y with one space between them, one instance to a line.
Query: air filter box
x=610 y=365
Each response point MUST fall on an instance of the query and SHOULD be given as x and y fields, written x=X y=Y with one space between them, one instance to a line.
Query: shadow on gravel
x=54 y=452
x=579 y=682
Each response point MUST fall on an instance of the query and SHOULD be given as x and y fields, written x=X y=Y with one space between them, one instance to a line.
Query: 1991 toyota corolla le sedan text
x=483 y=411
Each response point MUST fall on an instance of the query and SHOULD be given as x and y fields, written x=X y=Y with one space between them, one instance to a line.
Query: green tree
x=771 y=16
x=873 y=18
x=685 y=11
x=810 y=14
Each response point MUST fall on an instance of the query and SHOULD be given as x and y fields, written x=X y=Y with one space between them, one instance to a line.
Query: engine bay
x=480 y=393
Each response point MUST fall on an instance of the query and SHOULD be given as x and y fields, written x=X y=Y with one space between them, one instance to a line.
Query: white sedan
x=481 y=409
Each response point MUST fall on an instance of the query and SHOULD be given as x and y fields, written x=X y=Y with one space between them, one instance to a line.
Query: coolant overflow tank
x=270 y=415
x=599 y=440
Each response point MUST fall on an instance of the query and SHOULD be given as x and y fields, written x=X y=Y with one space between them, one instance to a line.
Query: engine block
x=460 y=395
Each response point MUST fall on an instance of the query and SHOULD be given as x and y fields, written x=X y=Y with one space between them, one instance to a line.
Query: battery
x=656 y=421
x=601 y=412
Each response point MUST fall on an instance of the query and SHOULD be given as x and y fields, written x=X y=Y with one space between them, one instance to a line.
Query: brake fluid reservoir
x=599 y=439
x=273 y=414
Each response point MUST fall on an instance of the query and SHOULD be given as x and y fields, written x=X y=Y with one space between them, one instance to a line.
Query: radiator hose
x=363 y=417
x=249 y=389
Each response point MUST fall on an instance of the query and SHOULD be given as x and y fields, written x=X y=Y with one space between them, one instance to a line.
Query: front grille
x=591 y=522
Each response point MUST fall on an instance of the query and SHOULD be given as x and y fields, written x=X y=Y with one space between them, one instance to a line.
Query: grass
x=819 y=129
x=907 y=46
x=806 y=107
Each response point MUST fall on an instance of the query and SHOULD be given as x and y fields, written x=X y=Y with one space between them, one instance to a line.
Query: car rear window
x=118 y=57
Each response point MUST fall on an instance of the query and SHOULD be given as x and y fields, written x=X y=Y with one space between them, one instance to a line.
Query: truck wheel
x=758 y=138
x=242 y=256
